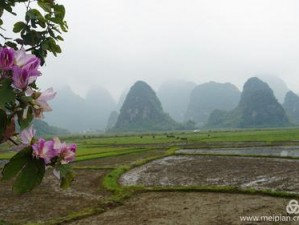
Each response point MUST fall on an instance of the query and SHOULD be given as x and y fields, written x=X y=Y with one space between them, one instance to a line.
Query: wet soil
x=244 y=172
x=49 y=201
x=177 y=208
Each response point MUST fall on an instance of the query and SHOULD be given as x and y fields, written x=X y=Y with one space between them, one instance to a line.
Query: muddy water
x=243 y=172
x=280 y=151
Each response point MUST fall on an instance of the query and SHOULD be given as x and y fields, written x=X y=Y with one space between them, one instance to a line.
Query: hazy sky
x=113 y=43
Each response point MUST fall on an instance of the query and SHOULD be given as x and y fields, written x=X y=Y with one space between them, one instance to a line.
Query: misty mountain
x=142 y=111
x=112 y=120
x=99 y=105
x=291 y=107
x=257 y=108
x=207 y=97
x=77 y=114
x=174 y=96
x=122 y=99
x=67 y=110
x=278 y=86
x=43 y=129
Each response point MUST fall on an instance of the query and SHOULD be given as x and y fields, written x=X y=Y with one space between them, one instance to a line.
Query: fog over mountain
x=79 y=114
x=182 y=100
x=99 y=105
x=122 y=99
x=113 y=117
x=175 y=96
x=67 y=110
x=258 y=107
x=291 y=106
x=207 y=97
x=277 y=84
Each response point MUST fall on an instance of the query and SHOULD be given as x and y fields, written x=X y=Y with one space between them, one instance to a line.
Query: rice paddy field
x=191 y=177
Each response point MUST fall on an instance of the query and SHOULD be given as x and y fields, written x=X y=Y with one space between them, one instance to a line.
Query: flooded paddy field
x=276 y=151
x=243 y=172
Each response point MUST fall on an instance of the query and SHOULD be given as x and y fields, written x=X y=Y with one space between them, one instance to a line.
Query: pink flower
x=44 y=150
x=32 y=66
x=65 y=152
x=25 y=70
x=22 y=77
x=27 y=135
x=42 y=102
x=22 y=59
x=6 y=58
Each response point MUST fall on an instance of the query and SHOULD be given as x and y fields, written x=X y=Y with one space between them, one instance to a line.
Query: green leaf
x=31 y=176
x=57 y=49
x=19 y=26
x=6 y=92
x=16 y=163
x=63 y=27
x=11 y=44
x=25 y=122
x=51 y=33
x=34 y=14
x=59 y=12
x=57 y=30
x=31 y=37
x=66 y=175
x=46 y=6
x=52 y=46
x=60 y=38
x=7 y=7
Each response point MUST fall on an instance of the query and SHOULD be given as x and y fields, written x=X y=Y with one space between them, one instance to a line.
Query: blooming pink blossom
x=42 y=102
x=65 y=152
x=6 y=58
x=22 y=77
x=27 y=135
x=25 y=69
x=44 y=150
x=22 y=58
x=32 y=66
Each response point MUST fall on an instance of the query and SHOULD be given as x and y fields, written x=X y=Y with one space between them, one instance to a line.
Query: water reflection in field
x=279 y=151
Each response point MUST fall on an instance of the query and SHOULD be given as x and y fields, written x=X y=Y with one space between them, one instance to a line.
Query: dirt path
x=175 y=208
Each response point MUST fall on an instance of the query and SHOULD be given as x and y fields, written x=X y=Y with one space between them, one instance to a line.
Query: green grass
x=90 y=147
x=246 y=135
x=262 y=135
x=109 y=154
x=134 y=139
